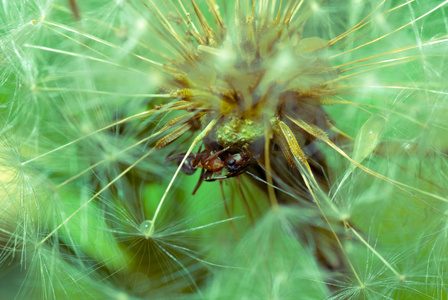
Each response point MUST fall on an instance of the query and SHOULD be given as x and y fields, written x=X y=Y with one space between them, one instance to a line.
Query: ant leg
x=210 y=178
x=188 y=167
x=171 y=157
x=197 y=158
x=234 y=174
x=201 y=179
x=74 y=8
x=215 y=155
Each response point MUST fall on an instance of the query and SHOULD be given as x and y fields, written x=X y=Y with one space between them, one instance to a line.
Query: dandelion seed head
x=245 y=72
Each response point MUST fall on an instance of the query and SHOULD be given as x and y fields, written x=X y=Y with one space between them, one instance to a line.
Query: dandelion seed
x=146 y=228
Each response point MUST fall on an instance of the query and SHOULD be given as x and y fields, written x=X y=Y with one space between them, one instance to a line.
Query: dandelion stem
x=343 y=101
x=369 y=70
x=358 y=26
x=148 y=112
x=72 y=54
x=95 y=196
x=57 y=89
x=386 y=263
x=305 y=179
x=96 y=39
x=394 y=31
x=407 y=88
x=318 y=133
x=267 y=162
x=435 y=41
x=193 y=144
x=104 y=160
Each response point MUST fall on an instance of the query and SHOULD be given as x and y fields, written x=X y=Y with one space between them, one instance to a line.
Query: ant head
x=236 y=162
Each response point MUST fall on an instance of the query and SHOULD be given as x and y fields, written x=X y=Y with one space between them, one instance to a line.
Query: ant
x=213 y=162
